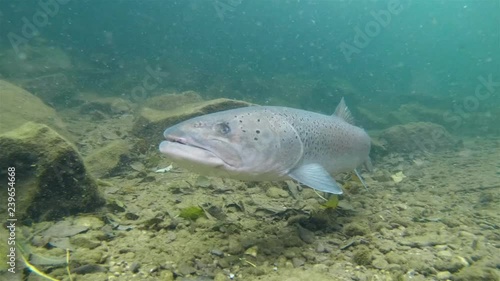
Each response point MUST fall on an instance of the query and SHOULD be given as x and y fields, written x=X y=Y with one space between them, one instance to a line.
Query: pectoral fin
x=315 y=176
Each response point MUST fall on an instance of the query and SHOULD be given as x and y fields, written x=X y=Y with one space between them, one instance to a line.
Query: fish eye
x=223 y=128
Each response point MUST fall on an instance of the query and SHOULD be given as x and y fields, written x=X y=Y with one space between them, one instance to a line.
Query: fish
x=270 y=143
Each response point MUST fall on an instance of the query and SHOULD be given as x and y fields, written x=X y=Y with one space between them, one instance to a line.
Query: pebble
x=298 y=262
x=380 y=263
x=321 y=248
x=443 y=275
x=445 y=254
x=217 y=252
x=167 y=275
x=274 y=192
x=134 y=267
x=234 y=247
x=186 y=269
x=306 y=235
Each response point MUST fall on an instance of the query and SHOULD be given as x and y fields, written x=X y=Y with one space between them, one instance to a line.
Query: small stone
x=186 y=269
x=84 y=240
x=167 y=275
x=134 y=267
x=234 y=247
x=220 y=277
x=443 y=275
x=320 y=248
x=445 y=254
x=274 y=192
x=380 y=263
x=298 y=262
x=306 y=235
x=217 y=252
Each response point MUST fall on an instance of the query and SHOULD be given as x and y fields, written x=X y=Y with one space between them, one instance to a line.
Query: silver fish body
x=267 y=143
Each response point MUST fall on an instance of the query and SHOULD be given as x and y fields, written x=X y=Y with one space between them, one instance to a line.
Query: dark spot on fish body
x=257 y=131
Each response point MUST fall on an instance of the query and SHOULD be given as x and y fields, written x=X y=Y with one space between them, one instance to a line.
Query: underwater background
x=87 y=88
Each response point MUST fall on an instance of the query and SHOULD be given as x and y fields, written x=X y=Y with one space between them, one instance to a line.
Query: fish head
x=238 y=143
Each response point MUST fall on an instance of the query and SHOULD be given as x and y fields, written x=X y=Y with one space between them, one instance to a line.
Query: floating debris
x=164 y=170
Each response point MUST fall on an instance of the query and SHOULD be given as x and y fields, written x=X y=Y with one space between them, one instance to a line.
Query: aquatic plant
x=191 y=213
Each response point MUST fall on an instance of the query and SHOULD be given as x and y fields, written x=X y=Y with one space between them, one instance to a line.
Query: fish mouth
x=187 y=151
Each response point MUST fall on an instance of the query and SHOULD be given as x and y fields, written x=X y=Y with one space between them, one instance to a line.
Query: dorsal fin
x=342 y=111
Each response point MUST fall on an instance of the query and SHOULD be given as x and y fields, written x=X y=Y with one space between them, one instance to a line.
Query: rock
x=51 y=179
x=151 y=123
x=355 y=229
x=443 y=275
x=134 y=267
x=320 y=248
x=167 y=275
x=418 y=136
x=64 y=228
x=395 y=258
x=18 y=106
x=105 y=160
x=298 y=261
x=186 y=269
x=85 y=240
x=305 y=234
x=234 y=247
x=477 y=273
x=275 y=192
x=362 y=256
x=88 y=268
x=380 y=263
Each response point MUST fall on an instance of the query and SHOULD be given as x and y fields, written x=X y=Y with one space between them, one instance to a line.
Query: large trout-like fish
x=267 y=143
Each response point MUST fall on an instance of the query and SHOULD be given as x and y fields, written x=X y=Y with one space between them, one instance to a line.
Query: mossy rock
x=191 y=213
x=51 y=179
x=105 y=160
x=418 y=136
x=362 y=256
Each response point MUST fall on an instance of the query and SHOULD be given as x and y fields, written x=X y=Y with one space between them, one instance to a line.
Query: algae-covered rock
x=477 y=273
x=151 y=123
x=103 y=161
x=18 y=106
x=191 y=213
x=418 y=136
x=51 y=179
